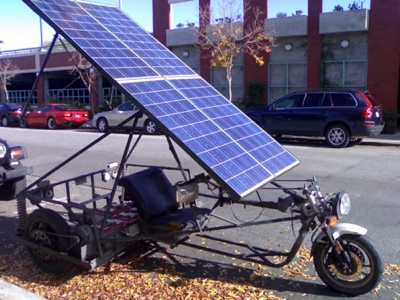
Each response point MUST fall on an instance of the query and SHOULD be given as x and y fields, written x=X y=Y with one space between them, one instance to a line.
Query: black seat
x=155 y=199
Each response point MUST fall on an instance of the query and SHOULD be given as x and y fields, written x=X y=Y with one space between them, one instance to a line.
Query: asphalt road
x=369 y=172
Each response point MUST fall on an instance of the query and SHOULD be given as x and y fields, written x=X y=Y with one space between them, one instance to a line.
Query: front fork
x=331 y=235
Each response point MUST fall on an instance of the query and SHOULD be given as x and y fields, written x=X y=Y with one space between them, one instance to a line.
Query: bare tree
x=226 y=36
x=7 y=72
x=85 y=71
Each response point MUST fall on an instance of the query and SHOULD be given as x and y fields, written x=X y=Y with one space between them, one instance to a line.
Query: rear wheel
x=150 y=127
x=51 y=123
x=4 y=121
x=102 y=125
x=337 y=136
x=48 y=229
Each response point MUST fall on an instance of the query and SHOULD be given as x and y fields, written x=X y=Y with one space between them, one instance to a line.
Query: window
x=45 y=108
x=292 y=101
x=61 y=107
x=127 y=106
x=313 y=100
x=342 y=99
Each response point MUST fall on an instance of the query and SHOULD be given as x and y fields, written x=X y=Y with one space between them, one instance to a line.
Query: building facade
x=349 y=49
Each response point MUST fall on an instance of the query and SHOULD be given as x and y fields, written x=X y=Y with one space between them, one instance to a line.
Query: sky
x=20 y=27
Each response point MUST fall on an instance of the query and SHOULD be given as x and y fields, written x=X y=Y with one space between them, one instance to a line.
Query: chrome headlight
x=341 y=204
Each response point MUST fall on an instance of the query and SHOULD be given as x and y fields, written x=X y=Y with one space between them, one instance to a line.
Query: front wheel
x=361 y=274
x=102 y=125
x=23 y=123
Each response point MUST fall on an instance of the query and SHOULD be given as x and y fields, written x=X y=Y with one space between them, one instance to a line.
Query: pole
x=41 y=31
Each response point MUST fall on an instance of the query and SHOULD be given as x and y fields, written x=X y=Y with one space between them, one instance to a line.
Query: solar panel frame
x=217 y=135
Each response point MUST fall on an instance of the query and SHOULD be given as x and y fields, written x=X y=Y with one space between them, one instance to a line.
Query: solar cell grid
x=227 y=144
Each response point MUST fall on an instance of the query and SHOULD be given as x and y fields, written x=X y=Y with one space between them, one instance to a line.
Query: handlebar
x=200 y=178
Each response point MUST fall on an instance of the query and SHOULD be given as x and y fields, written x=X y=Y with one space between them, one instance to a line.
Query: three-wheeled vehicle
x=143 y=207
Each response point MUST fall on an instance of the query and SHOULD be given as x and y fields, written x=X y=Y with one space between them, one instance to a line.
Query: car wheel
x=23 y=123
x=5 y=122
x=12 y=188
x=150 y=127
x=48 y=229
x=102 y=125
x=51 y=123
x=337 y=136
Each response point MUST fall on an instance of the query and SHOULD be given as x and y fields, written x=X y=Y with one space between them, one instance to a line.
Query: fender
x=337 y=231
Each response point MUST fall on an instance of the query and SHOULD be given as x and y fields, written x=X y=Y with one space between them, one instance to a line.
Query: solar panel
x=215 y=133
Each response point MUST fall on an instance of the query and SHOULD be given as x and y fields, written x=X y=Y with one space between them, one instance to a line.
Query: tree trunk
x=229 y=79
x=7 y=96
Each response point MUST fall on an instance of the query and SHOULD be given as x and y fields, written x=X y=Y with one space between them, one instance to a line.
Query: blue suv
x=339 y=116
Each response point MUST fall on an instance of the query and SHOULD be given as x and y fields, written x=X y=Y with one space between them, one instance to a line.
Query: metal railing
x=21 y=96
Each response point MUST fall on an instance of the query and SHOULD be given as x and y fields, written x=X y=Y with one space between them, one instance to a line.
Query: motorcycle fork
x=339 y=252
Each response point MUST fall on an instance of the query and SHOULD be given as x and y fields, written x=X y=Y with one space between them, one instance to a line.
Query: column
x=253 y=72
x=161 y=20
x=205 y=65
x=314 y=45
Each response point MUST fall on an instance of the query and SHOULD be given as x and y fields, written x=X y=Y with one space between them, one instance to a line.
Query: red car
x=51 y=115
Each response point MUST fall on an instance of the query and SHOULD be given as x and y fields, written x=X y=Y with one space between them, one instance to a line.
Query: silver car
x=104 y=120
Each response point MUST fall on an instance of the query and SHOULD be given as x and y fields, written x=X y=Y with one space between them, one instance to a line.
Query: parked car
x=105 y=120
x=12 y=173
x=339 y=116
x=52 y=115
x=9 y=113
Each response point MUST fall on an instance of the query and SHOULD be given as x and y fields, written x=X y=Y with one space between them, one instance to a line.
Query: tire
x=51 y=123
x=360 y=276
x=150 y=127
x=47 y=228
x=10 y=189
x=4 y=121
x=102 y=125
x=337 y=136
x=23 y=123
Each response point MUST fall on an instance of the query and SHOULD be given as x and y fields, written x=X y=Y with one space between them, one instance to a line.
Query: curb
x=10 y=291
